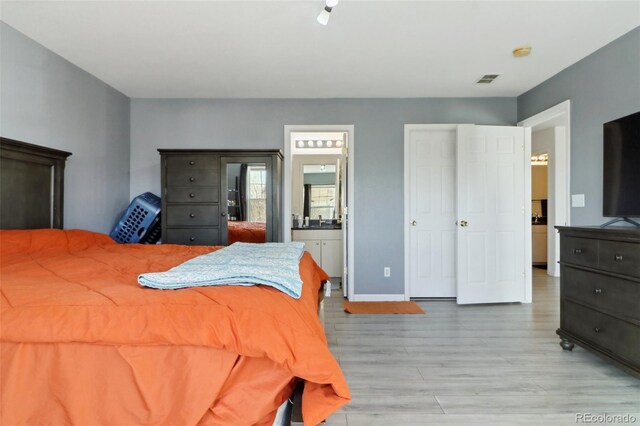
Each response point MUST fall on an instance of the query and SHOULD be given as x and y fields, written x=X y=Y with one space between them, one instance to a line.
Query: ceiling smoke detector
x=521 y=52
x=487 y=78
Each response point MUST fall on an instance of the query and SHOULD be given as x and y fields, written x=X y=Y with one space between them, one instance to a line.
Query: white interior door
x=431 y=222
x=490 y=170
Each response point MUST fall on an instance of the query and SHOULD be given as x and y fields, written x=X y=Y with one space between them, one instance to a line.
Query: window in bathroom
x=323 y=201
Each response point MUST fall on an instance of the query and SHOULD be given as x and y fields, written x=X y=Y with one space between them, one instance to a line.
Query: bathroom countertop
x=316 y=227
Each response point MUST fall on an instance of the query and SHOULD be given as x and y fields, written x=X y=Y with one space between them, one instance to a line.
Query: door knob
x=413 y=223
x=463 y=223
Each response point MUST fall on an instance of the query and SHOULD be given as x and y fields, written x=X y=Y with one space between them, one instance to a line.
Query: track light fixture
x=324 y=16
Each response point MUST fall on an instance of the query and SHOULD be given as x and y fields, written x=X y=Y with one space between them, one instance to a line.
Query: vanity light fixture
x=311 y=143
x=540 y=160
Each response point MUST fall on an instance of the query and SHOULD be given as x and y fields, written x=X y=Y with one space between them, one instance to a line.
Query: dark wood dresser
x=600 y=292
x=195 y=207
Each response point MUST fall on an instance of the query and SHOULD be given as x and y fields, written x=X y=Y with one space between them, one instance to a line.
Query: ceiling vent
x=487 y=78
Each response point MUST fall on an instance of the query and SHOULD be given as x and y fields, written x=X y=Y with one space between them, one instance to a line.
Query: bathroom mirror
x=246 y=202
x=321 y=191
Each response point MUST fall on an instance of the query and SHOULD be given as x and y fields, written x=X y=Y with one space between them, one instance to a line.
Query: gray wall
x=379 y=133
x=45 y=100
x=603 y=86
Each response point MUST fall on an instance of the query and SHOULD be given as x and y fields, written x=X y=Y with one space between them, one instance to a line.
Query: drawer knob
x=597 y=291
x=192 y=179
x=192 y=195
x=617 y=257
x=597 y=329
x=577 y=251
x=192 y=239
x=192 y=215
x=192 y=163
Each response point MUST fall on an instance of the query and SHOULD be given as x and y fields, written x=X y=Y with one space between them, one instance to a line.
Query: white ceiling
x=276 y=49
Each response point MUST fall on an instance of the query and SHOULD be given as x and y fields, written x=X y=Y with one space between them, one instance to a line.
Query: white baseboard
x=378 y=298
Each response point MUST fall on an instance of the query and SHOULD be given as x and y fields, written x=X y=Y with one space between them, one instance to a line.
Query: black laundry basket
x=141 y=222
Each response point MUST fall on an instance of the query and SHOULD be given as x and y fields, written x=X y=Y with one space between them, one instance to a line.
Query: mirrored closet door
x=251 y=185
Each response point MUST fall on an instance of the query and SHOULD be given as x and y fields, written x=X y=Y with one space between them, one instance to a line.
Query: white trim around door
x=348 y=217
x=558 y=117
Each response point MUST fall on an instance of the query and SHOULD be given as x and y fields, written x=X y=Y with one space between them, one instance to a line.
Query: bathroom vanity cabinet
x=325 y=246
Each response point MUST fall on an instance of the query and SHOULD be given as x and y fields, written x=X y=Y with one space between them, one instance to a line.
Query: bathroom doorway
x=318 y=198
x=550 y=135
x=539 y=210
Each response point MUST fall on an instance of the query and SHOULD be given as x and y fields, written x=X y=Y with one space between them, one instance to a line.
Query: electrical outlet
x=387 y=271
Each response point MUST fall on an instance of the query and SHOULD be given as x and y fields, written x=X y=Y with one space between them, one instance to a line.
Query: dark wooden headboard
x=31 y=185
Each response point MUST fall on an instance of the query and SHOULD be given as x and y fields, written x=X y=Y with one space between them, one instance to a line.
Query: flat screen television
x=621 y=185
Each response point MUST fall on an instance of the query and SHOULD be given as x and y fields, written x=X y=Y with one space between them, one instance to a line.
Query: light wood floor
x=471 y=365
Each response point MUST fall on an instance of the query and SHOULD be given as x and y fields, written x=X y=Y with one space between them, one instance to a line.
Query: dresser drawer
x=601 y=291
x=193 y=178
x=619 y=257
x=579 y=251
x=192 y=162
x=615 y=336
x=198 y=194
x=193 y=215
x=194 y=236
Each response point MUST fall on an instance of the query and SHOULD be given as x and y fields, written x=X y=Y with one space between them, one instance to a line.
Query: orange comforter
x=83 y=343
x=246 y=232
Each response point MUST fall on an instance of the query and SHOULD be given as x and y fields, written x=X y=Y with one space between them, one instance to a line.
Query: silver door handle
x=413 y=223
x=463 y=223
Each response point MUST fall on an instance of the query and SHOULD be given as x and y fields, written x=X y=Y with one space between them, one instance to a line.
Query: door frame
x=349 y=253
x=408 y=128
x=557 y=115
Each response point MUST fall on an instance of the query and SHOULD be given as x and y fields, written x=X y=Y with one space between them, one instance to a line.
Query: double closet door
x=465 y=214
x=218 y=197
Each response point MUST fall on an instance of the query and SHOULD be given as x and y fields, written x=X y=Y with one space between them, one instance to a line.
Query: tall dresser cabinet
x=199 y=193
x=600 y=292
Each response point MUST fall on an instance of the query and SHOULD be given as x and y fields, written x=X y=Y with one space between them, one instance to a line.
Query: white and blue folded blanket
x=272 y=264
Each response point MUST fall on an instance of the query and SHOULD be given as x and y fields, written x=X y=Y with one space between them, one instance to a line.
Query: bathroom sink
x=316 y=226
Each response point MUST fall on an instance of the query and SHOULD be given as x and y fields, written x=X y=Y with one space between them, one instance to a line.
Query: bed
x=83 y=343
x=247 y=232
